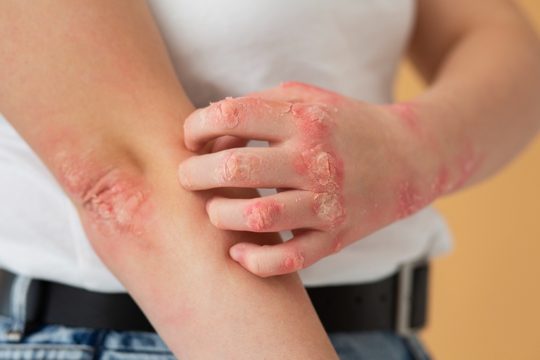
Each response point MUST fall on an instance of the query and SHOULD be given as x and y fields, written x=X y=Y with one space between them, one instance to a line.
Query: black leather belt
x=396 y=303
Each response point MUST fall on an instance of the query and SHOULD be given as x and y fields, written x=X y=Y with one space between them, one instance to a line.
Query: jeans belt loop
x=404 y=296
x=18 y=307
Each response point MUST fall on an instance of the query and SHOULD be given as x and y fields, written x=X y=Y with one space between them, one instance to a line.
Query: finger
x=246 y=167
x=287 y=210
x=228 y=142
x=300 y=252
x=245 y=117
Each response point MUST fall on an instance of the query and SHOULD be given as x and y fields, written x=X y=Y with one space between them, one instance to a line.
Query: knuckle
x=329 y=209
x=293 y=260
x=239 y=166
x=230 y=166
x=227 y=113
x=262 y=215
x=323 y=168
x=312 y=112
x=314 y=121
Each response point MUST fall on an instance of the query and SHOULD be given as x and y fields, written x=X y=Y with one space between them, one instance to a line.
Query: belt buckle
x=404 y=297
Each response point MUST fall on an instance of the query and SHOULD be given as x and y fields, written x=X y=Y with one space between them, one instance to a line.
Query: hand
x=343 y=169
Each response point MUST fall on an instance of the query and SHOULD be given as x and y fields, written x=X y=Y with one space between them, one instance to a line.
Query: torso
x=228 y=49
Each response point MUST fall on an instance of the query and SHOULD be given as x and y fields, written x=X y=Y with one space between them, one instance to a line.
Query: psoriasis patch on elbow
x=117 y=206
x=115 y=201
x=329 y=208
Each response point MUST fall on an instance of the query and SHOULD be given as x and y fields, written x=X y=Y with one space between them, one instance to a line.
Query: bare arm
x=482 y=60
x=89 y=86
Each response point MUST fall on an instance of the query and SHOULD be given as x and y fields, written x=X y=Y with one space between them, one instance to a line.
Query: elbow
x=117 y=204
x=112 y=200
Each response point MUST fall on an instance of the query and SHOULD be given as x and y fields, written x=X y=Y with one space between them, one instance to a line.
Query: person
x=101 y=115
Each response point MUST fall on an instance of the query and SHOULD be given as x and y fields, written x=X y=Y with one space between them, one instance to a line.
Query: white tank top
x=230 y=48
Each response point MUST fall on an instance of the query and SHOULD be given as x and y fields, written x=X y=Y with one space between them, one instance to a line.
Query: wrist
x=444 y=154
x=420 y=167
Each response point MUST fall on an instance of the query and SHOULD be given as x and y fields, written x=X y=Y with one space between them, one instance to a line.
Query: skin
x=346 y=168
x=101 y=105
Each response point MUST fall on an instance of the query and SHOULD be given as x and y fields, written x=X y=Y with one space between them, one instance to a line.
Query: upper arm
x=441 y=24
x=86 y=76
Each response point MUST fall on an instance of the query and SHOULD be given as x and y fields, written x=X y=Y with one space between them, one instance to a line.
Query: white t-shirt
x=230 y=48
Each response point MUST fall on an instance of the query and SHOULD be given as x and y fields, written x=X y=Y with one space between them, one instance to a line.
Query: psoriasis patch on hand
x=238 y=167
x=325 y=172
x=329 y=207
x=226 y=112
x=318 y=161
x=263 y=214
x=314 y=120
x=230 y=113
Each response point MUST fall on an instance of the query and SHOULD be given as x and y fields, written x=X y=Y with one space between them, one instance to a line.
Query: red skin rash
x=227 y=113
x=238 y=166
x=441 y=184
x=319 y=161
x=115 y=202
x=409 y=200
x=406 y=112
x=293 y=263
x=230 y=112
x=451 y=175
x=314 y=121
x=118 y=205
x=315 y=124
x=263 y=214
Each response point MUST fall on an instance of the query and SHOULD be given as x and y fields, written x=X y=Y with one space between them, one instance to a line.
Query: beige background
x=485 y=298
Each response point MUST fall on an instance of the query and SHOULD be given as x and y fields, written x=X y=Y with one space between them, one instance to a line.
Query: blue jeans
x=54 y=342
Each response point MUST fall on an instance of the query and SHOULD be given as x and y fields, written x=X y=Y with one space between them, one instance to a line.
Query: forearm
x=157 y=239
x=481 y=107
x=91 y=89
x=176 y=265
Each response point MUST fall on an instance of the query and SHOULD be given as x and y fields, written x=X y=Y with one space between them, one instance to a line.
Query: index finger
x=244 y=117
